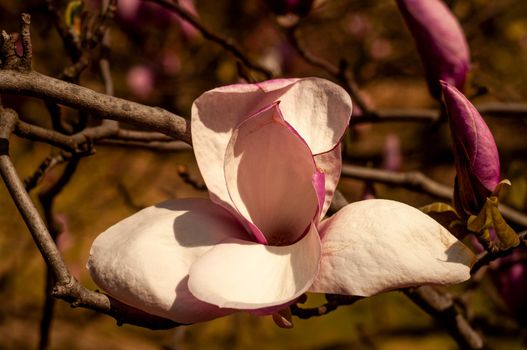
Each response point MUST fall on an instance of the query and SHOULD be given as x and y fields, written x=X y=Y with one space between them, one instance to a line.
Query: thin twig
x=340 y=72
x=45 y=167
x=487 y=257
x=225 y=43
x=332 y=304
x=487 y=109
x=416 y=181
x=174 y=146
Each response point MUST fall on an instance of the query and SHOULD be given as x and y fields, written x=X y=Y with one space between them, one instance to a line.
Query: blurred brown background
x=158 y=61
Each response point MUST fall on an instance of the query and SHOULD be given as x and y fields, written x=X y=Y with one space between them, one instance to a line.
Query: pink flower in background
x=440 y=41
x=358 y=25
x=140 y=80
x=475 y=153
x=392 y=157
x=510 y=277
x=128 y=9
x=270 y=156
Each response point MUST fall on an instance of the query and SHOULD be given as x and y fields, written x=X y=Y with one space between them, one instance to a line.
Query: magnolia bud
x=440 y=42
x=475 y=153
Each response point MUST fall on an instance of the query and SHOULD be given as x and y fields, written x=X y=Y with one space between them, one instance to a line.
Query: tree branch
x=443 y=309
x=67 y=287
x=416 y=181
x=101 y=105
x=488 y=109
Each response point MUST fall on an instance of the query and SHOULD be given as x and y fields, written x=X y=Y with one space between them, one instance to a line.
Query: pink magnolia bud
x=440 y=42
x=475 y=152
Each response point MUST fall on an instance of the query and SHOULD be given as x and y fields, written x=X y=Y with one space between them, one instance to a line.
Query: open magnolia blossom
x=270 y=156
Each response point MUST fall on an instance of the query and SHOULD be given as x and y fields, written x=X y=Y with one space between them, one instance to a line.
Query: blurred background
x=160 y=60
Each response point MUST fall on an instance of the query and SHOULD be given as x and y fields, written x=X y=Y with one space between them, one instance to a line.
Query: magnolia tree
x=269 y=137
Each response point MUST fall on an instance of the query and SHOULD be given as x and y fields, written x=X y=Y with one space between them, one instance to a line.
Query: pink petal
x=246 y=275
x=330 y=163
x=318 y=109
x=144 y=259
x=377 y=245
x=269 y=173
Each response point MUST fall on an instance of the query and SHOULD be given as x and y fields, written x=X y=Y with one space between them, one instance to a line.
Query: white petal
x=144 y=259
x=377 y=245
x=330 y=163
x=246 y=275
x=319 y=110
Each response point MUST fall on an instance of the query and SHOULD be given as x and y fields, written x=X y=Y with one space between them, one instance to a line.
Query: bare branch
x=27 y=49
x=8 y=56
x=66 y=287
x=101 y=105
x=26 y=207
x=416 y=181
x=175 y=146
x=443 y=309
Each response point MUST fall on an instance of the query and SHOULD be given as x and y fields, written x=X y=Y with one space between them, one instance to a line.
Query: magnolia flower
x=440 y=42
x=270 y=156
x=475 y=153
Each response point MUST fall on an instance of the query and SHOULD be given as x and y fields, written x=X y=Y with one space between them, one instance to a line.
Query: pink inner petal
x=317 y=109
x=269 y=171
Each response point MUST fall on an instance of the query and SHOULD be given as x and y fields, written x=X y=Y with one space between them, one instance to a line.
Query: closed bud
x=475 y=153
x=440 y=41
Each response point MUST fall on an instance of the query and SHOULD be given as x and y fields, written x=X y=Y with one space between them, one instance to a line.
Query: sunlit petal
x=377 y=245
x=144 y=259
x=245 y=275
